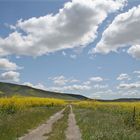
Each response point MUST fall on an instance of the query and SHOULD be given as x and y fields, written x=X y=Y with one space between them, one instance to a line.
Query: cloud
x=87 y=82
x=66 y=88
x=129 y=86
x=131 y=93
x=73 y=56
x=75 y=25
x=5 y=64
x=72 y=80
x=38 y=86
x=103 y=94
x=123 y=76
x=62 y=84
x=10 y=76
x=61 y=80
x=123 y=32
x=136 y=72
x=96 y=79
x=97 y=86
x=64 y=53
x=134 y=51
x=28 y=84
x=75 y=88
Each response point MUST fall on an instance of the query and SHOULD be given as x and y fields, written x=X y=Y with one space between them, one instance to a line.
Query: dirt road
x=40 y=132
x=72 y=132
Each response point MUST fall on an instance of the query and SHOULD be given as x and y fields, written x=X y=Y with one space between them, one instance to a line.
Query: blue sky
x=105 y=65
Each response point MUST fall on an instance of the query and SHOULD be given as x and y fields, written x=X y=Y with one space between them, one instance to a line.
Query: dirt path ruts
x=72 y=132
x=40 y=132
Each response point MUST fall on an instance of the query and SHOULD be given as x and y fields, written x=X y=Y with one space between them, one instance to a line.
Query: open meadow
x=108 y=120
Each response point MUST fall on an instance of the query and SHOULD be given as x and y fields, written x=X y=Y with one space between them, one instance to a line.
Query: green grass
x=15 y=125
x=60 y=127
x=104 y=125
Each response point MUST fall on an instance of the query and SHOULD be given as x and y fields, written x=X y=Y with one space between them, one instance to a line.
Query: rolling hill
x=9 y=89
x=120 y=100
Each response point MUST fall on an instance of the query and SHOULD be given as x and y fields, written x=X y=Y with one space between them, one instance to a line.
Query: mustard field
x=17 y=103
x=19 y=114
x=96 y=120
x=132 y=109
x=126 y=106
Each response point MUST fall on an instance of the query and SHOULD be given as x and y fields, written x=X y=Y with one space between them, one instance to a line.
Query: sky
x=82 y=47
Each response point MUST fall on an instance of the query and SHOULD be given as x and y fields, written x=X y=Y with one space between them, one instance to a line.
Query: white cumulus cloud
x=123 y=76
x=10 y=76
x=38 y=86
x=129 y=86
x=134 y=51
x=96 y=79
x=62 y=80
x=71 y=88
x=5 y=64
x=75 y=25
x=136 y=72
x=123 y=32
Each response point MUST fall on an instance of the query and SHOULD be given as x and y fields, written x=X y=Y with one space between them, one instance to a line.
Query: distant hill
x=121 y=100
x=9 y=89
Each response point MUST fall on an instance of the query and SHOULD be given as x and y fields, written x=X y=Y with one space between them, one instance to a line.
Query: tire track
x=73 y=131
x=44 y=129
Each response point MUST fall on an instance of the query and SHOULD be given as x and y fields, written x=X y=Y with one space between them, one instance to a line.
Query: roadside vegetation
x=19 y=114
x=108 y=121
x=18 y=103
x=15 y=125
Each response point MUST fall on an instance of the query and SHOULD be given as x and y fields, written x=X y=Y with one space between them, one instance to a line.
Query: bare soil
x=73 y=131
x=40 y=133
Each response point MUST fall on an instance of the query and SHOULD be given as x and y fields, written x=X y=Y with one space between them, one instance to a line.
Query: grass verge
x=15 y=125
